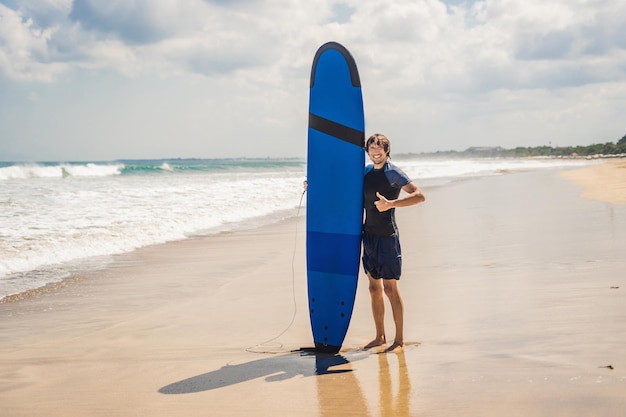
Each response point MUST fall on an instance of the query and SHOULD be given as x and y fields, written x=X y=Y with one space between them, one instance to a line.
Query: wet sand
x=515 y=305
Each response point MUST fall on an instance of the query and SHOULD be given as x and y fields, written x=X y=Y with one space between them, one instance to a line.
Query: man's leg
x=378 y=311
x=397 y=307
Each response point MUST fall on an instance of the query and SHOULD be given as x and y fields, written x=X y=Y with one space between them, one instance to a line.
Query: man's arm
x=414 y=195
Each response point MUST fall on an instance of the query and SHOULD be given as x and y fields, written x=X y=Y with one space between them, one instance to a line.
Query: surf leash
x=263 y=347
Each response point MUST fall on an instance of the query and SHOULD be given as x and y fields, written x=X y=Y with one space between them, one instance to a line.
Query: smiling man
x=382 y=257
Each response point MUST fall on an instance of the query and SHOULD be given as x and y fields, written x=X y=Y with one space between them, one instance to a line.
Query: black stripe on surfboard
x=354 y=73
x=339 y=131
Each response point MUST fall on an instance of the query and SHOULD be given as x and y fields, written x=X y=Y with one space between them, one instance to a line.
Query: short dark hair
x=380 y=140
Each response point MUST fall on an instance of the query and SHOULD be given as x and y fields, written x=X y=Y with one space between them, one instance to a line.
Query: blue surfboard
x=335 y=166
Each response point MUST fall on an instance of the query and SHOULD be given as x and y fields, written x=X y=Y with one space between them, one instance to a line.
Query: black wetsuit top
x=388 y=181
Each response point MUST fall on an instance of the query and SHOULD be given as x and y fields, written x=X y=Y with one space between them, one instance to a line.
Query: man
x=382 y=258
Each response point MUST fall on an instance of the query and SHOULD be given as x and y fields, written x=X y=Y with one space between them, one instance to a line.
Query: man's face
x=377 y=154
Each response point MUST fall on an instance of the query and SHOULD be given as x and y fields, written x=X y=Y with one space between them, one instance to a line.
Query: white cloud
x=446 y=69
x=422 y=42
x=24 y=52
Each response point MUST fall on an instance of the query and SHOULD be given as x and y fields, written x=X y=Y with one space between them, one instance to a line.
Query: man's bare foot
x=374 y=343
x=395 y=348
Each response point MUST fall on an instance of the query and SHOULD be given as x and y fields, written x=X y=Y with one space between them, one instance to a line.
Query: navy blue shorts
x=382 y=257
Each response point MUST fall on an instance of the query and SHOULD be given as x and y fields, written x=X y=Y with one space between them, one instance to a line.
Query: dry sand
x=514 y=289
x=604 y=182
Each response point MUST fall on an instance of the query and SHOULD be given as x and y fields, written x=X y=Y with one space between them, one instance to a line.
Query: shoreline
x=514 y=295
x=78 y=274
x=105 y=245
x=602 y=182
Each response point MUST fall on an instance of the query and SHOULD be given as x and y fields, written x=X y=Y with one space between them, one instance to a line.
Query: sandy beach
x=515 y=298
x=604 y=182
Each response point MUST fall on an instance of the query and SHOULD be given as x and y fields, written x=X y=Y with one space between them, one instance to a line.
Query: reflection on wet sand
x=338 y=390
x=340 y=393
x=391 y=405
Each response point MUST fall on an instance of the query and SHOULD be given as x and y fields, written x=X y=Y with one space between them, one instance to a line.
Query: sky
x=138 y=79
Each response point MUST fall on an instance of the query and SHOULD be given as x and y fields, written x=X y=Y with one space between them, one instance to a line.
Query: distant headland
x=599 y=150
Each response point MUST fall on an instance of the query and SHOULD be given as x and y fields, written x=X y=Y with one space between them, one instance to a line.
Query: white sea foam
x=166 y=167
x=47 y=222
x=25 y=171
x=443 y=171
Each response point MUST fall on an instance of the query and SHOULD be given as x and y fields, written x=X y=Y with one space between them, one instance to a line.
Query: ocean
x=58 y=219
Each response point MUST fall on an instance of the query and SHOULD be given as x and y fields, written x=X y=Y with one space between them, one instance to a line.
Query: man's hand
x=382 y=204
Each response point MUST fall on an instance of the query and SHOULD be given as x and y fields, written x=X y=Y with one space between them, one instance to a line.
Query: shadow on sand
x=275 y=368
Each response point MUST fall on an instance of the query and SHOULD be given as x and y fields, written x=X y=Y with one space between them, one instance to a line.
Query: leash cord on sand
x=256 y=348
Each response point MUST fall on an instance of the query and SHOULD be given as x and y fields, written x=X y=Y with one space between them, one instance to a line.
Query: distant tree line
x=608 y=148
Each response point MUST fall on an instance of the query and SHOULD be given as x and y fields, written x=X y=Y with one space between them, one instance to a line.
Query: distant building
x=484 y=149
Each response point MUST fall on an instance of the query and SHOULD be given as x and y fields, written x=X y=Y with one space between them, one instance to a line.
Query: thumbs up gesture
x=382 y=204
